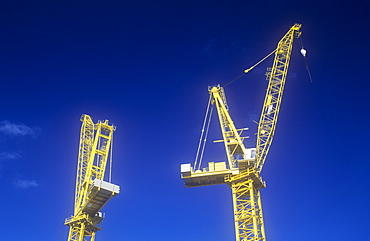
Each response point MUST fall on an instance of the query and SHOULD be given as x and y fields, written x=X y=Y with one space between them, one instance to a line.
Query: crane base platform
x=100 y=193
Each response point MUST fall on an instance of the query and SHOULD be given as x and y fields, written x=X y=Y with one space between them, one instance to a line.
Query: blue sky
x=146 y=67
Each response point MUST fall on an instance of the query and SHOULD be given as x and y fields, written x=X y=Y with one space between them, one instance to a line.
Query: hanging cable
x=205 y=138
x=233 y=79
x=301 y=42
x=202 y=133
x=98 y=160
x=303 y=52
x=111 y=160
x=247 y=70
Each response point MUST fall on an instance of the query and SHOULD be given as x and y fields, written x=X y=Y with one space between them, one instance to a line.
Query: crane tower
x=242 y=170
x=91 y=192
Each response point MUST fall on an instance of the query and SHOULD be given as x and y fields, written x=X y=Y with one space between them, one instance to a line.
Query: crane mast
x=244 y=165
x=91 y=192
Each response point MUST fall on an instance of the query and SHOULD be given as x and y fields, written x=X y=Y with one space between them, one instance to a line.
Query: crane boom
x=271 y=107
x=86 y=140
x=91 y=192
x=245 y=164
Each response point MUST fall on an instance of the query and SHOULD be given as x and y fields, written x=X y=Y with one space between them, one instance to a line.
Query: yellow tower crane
x=92 y=192
x=243 y=167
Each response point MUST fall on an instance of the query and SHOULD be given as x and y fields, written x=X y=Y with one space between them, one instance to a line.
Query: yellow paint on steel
x=231 y=137
x=95 y=141
x=243 y=176
x=271 y=107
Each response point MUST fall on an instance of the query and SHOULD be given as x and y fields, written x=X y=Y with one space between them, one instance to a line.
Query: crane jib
x=271 y=107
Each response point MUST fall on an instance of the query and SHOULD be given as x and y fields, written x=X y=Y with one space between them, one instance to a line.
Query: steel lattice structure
x=91 y=192
x=271 y=107
x=244 y=165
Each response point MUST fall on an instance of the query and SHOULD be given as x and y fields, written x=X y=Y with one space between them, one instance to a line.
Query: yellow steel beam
x=243 y=176
x=95 y=142
x=271 y=107
x=231 y=138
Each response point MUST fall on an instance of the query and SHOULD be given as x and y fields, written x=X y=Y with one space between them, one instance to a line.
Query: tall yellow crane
x=91 y=192
x=243 y=167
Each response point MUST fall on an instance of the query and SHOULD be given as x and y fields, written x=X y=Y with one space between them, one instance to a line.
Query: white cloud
x=17 y=129
x=26 y=183
x=9 y=155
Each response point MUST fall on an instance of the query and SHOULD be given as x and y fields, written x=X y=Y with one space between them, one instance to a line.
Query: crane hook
x=303 y=52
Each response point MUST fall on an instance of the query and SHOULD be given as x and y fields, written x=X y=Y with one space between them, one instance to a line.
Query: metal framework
x=247 y=205
x=271 y=107
x=245 y=164
x=91 y=192
x=232 y=140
